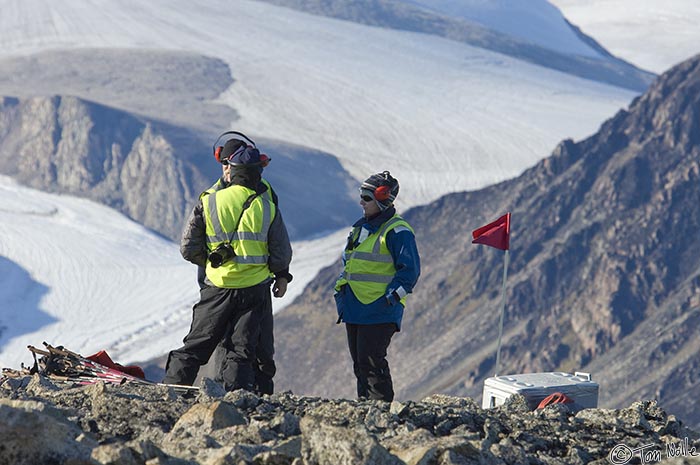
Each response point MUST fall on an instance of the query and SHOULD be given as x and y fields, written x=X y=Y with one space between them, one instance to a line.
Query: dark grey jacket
x=193 y=245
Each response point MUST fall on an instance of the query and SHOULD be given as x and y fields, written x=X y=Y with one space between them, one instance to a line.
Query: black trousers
x=241 y=312
x=264 y=365
x=368 y=345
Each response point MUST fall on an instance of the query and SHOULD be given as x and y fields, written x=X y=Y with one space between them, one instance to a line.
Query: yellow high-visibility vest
x=221 y=211
x=218 y=185
x=369 y=267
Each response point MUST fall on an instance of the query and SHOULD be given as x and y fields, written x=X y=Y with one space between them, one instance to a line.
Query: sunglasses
x=264 y=161
x=367 y=198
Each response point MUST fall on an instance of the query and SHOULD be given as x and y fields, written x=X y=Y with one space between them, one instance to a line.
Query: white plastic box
x=536 y=386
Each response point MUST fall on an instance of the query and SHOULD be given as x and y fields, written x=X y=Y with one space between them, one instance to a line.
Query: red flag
x=496 y=234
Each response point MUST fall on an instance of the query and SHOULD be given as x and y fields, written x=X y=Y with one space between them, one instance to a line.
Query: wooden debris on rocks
x=62 y=365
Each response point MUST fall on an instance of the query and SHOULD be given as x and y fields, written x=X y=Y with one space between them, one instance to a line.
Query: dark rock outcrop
x=139 y=424
x=137 y=166
x=604 y=273
x=113 y=125
x=151 y=171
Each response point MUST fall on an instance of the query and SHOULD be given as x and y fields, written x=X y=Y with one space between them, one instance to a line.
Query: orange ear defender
x=382 y=193
x=218 y=148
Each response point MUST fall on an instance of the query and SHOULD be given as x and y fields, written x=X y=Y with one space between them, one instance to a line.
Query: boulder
x=33 y=432
x=324 y=443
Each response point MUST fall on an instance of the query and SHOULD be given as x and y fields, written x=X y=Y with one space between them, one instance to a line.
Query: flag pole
x=497 y=234
x=506 y=259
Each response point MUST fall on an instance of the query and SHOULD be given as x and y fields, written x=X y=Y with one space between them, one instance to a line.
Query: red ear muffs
x=382 y=193
x=240 y=136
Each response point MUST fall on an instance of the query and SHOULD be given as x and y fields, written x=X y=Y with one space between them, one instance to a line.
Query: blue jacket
x=387 y=309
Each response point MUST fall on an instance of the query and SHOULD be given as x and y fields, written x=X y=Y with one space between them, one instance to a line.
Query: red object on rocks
x=555 y=398
x=103 y=358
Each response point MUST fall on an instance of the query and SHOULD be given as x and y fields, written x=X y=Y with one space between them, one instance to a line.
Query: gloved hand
x=279 y=288
x=392 y=298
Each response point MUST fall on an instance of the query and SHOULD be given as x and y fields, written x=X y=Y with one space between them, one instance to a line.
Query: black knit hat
x=230 y=148
x=383 y=186
x=242 y=155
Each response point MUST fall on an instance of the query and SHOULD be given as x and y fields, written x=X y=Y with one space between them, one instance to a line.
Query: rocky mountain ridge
x=150 y=170
x=47 y=422
x=140 y=167
x=604 y=275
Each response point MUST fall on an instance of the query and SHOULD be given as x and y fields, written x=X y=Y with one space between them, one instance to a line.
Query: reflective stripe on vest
x=369 y=268
x=220 y=235
x=221 y=211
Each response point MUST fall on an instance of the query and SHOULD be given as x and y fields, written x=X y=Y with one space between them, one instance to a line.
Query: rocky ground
x=604 y=274
x=42 y=422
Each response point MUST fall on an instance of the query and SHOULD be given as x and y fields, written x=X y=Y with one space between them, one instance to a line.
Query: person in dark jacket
x=264 y=367
x=236 y=234
x=381 y=267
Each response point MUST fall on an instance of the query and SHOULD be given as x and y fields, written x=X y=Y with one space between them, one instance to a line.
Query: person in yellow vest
x=381 y=267
x=237 y=235
x=264 y=367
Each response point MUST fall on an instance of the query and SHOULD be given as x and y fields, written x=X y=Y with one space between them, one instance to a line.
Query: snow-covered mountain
x=536 y=21
x=368 y=95
x=533 y=31
x=77 y=273
x=651 y=34
x=442 y=116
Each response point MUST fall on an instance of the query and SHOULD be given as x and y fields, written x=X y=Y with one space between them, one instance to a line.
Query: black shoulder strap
x=259 y=191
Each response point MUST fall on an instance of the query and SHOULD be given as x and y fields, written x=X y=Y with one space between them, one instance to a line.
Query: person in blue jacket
x=381 y=267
